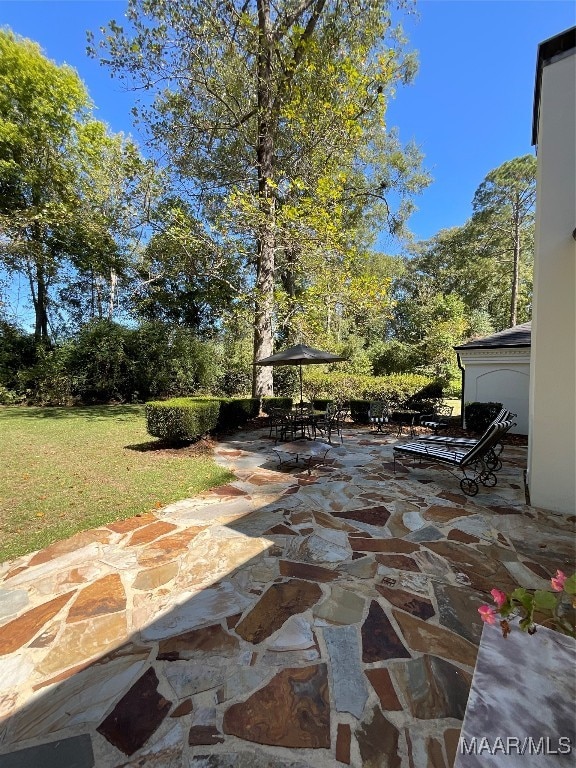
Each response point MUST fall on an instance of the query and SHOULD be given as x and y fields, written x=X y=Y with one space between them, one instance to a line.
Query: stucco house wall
x=501 y=376
x=552 y=429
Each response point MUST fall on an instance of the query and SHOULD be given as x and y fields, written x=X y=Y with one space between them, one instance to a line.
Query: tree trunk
x=516 y=269
x=264 y=302
x=112 y=301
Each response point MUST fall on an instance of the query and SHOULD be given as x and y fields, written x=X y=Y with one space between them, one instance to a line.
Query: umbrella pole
x=301 y=398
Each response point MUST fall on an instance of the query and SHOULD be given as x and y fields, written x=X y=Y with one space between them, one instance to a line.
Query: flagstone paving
x=286 y=619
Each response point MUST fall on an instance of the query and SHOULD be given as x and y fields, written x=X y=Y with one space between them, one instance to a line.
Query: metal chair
x=378 y=415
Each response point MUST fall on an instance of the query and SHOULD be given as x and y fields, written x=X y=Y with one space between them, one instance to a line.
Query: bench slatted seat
x=471 y=461
x=492 y=460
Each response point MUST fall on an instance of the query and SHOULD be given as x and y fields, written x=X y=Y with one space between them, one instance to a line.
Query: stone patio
x=286 y=619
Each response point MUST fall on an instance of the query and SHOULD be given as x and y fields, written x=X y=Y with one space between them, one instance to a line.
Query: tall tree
x=504 y=217
x=260 y=104
x=41 y=105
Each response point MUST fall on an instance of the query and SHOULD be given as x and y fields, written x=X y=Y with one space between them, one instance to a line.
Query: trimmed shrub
x=359 y=411
x=479 y=415
x=321 y=405
x=235 y=411
x=276 y=402
x=335 y=386
x=181 y=419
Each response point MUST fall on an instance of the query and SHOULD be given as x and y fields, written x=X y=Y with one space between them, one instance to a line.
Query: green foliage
x=48 y=381
x=395 y=388
x=479 y=415
x=17 y=351
x=181 y=419
x=235 y=411
x=276 y=402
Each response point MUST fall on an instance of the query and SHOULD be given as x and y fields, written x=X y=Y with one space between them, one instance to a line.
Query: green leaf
x=570 y=585
x=544 y=600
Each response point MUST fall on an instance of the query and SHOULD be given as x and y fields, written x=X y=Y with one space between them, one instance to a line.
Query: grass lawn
x=63 y=470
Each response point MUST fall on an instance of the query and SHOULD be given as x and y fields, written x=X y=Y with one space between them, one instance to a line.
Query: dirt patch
x=162 y=449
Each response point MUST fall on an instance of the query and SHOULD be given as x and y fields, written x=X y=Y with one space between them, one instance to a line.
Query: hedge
x=188 y=418
x=284 y=403
x=181 y=418
x=479 y=415
x=340 y=386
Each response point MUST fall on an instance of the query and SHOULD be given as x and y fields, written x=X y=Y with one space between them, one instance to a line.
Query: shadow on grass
x=201 y=447
x=90 y=412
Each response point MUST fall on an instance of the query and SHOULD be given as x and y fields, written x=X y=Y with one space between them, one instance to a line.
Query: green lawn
x=63 y=470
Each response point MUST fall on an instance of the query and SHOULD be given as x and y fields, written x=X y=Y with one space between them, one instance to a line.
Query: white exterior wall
x=499 y=376
x=552 y=432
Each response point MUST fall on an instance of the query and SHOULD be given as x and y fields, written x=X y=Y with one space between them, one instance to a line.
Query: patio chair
x=330 y=422
x=279 y=424
x=378 y=415
x=493 y=461
x=472 y=462
x=438 y=419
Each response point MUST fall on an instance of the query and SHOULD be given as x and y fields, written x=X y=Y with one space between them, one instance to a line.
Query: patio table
x=405 y=418
x=307 y=450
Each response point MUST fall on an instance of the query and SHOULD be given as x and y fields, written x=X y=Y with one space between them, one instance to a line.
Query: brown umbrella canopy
x=300 y=355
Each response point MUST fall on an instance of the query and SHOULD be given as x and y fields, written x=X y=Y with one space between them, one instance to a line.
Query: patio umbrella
x=300 y=355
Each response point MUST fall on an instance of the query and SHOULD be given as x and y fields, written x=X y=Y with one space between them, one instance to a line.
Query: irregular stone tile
x=84 y=640
x=466 y=538
x=458 y=609
x=195 y=644
x=277 y=604
x=484 y=572
x=149 y=533
x=364 y=568
x=73 y=544
x=400 y=562
x=359 y=544
x=243 y=681
x=538 y=569
x=377 y=516
x=415 y=582
x=348 y=685
x=444 y=514
x=243 y=760
x=397 y=546
x=280 y=529
x=226 y=490
x=451 y=741
x=293 y=710
x=188 y=678
x=136 y=716
x=131 y=523
x=195 y=609
x=379 y=639
x=382 y=684
x=342 y=606
x=295 y=634
x=413 y=520
x=433 y=687
x=169 y=547
x=14 y=671
x=306 y=571
x=426 y=638
x=12 y=601
x=152 y=578
x=20 y=631
x=431 y=564
x=106 y=595
x=429 y=533
x=418 y=606
x=476 y=525
x=75 y=752
x=183 y=709
x=326 y=520
x=324 y=546
x=378 y=742
x=343 y=740
x=289 y=658
x=204 y=735
x=497 y=552
x=81 y=700
x=423 y=750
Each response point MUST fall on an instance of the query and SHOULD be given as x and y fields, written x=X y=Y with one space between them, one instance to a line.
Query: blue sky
x=469 y=110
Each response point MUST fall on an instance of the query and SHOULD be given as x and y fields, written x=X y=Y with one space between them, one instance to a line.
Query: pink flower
x=487 y=614
x=558 y=581
x=499 y=597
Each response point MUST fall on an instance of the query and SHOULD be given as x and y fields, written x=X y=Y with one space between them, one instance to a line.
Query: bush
x=235 y=411
x=479 y=415
x=334 y=386
x=320 y=404
x=359 y=411
x=48 y=381
x=181 y=419
x=276 y=402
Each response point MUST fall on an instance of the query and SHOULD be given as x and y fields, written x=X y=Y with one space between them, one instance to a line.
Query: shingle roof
x=518 y=336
